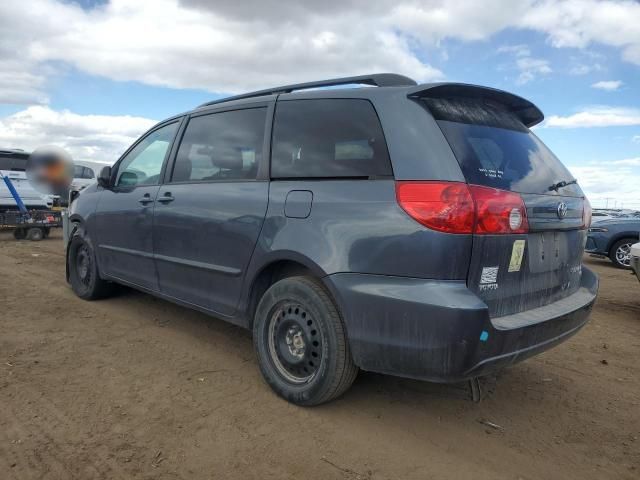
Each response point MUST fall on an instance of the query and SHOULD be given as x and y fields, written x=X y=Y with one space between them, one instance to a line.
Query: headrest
x=229 y=158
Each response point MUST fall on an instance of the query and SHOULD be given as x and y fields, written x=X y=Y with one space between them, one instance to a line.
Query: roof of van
x=388 y=83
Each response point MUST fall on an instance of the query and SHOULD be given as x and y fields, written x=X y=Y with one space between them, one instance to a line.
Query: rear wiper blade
x=556 y=186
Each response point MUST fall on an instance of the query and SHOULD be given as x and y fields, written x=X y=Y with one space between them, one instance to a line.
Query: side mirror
x=104 y=178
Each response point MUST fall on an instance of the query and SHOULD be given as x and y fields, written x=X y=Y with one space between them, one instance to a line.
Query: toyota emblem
x=562 y=210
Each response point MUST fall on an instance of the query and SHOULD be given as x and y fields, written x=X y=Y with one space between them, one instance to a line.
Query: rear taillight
x=586 y=213
x=455 y=207
x=443 y=206
x=498 y=211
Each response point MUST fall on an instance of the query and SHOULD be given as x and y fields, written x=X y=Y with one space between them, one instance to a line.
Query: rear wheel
x=35 y=234
x=83 y=271
x=301 y=342
x=620 y=253
x=19 y=234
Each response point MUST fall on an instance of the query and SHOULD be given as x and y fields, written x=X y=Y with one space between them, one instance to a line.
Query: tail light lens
x=586 y=213
x=455 y=207
x=498 y=211
x=443 y=206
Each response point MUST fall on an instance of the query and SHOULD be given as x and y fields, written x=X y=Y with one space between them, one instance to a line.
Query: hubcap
x=623 y=254
x=294 y=342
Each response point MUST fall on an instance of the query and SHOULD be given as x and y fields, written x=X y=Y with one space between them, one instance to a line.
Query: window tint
x=328 y=138
x=495 y=149
x=143 y=164
x=221 y=146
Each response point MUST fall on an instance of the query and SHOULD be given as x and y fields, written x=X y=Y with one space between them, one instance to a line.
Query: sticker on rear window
x=517 y=253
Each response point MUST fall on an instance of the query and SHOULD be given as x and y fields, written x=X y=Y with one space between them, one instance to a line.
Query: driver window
x=143 y=164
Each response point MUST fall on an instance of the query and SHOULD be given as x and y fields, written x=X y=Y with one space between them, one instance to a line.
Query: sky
x=93 y=75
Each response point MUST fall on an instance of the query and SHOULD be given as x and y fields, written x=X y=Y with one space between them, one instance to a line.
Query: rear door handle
x=166 y=198
x=146 y=199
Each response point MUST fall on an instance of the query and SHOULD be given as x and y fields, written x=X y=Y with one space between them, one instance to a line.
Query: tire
x=301 y=342
x=35 y=234
x=83 y=271
x=620 y=253
x=19 y=234
x=46 y=231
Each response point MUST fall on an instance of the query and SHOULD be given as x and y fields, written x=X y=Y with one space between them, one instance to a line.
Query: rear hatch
x=514 y=272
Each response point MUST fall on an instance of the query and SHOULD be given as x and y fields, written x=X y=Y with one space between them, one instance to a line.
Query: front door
x=124 y=215
x=209 y=212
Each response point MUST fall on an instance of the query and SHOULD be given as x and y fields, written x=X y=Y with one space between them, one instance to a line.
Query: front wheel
x=83 y=271
x=301 y=342
x=620 y=253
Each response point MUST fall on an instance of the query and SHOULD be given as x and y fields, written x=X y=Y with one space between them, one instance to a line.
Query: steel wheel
x=83 y=265
x=294 y=343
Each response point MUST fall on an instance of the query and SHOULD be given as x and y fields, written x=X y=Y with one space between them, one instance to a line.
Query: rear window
x=495 y=149
x=13 y=162
x=328 y=138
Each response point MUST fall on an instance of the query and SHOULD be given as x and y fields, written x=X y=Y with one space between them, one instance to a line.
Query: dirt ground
x=136 y=387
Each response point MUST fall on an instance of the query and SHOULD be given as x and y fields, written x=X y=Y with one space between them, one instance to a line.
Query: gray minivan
x=415 y=230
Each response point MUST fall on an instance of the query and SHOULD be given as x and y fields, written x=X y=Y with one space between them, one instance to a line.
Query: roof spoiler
x=526 y=111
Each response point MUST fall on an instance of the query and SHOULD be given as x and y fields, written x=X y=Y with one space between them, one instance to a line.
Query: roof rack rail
x=376 y=80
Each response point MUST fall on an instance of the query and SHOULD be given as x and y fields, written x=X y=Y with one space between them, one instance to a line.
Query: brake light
x=586 y=213
x=443 y=206
x=455 y=207
x=498 y=211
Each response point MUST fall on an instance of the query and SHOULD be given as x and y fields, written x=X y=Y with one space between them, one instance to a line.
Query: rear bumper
x=440 y=331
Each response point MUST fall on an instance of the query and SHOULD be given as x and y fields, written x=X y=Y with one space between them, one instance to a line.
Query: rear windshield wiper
x=556 y=186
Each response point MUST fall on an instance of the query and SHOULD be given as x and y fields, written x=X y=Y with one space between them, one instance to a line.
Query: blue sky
x=91 y=76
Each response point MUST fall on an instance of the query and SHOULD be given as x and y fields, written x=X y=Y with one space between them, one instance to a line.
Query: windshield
x=495 y=149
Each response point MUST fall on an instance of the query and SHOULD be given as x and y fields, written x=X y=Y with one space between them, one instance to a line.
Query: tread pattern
x=347 y=371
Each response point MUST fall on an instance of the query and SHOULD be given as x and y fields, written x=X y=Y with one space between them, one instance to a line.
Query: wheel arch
x=620 y=236
x=274 y=268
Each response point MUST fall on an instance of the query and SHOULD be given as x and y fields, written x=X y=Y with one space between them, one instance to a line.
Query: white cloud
x=216 y=48
x=635 y=139
x=629 y=162
x=616 y=181
x=231 y=46
x=580 y=23
x=584 y=69
x=518 y=50
x=530 y=68
x=608 y=85
x=101 y=138
x=598 y=116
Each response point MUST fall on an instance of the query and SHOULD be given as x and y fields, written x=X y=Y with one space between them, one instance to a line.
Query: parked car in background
x=85 y=173
x=613 y=239
x=414 y=230
x=13 y=164
x=635 y=259
x=599 y=216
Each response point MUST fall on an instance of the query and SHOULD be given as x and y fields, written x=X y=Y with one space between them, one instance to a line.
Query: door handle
x=146 y=199
x=166 y=198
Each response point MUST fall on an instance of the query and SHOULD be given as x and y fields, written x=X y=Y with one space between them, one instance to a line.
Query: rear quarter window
x=328 y=138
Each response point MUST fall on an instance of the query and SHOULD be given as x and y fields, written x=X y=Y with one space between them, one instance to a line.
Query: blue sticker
x=484 y=336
